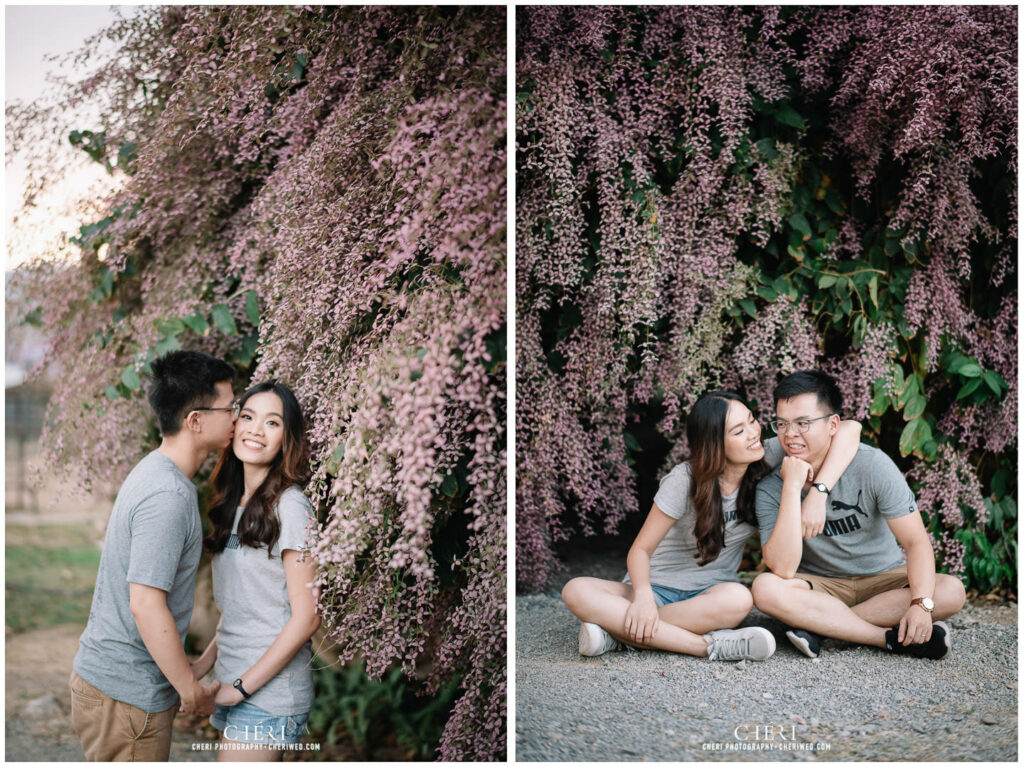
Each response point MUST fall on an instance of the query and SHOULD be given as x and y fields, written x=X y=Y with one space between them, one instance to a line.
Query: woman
x=260 y=581
x=682 y=592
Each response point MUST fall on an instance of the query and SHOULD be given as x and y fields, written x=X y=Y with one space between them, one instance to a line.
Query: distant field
x=50 y=574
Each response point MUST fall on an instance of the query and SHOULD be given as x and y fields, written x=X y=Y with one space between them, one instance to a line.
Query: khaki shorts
x=113 y=731
x=852 y=591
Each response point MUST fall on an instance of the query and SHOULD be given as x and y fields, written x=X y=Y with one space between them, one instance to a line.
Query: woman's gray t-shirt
x=674 y=562
x=252 y=594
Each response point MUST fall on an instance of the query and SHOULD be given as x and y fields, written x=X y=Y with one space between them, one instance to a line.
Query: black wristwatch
x=822 y=487
x=238 y=686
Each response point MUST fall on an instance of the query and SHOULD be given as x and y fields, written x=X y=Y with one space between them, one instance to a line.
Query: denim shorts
x=246 y=723
x=664 y=595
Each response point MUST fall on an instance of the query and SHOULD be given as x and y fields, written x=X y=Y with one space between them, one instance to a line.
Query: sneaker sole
x=801 y=644
x=588 y=645
x=948 y=639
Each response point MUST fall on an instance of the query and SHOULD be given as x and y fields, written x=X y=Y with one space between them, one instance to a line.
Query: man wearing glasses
x=849 y=581
x=131 y=674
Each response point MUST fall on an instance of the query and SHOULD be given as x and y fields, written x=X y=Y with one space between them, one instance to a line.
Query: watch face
x=929 y=603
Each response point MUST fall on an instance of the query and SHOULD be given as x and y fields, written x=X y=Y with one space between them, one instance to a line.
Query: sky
x=30 y=33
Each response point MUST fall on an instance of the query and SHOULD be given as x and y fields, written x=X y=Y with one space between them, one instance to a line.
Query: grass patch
x=50 y=575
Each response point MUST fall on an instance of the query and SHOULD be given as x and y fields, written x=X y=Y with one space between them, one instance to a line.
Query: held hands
x=201 y=701
x=915 y=626
x=642 y=618
x=812 y=514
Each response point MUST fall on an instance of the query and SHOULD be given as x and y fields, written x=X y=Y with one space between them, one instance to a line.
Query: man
x=849 y=582
x=131 y=668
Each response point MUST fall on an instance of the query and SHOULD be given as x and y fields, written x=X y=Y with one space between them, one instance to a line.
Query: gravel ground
x=851 y=703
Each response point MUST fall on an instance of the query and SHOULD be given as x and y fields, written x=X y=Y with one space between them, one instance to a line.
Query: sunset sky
x=31 y=33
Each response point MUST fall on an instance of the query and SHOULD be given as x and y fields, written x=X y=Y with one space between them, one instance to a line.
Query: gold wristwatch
x=925 y=603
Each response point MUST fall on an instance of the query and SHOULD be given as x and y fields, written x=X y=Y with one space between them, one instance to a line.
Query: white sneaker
x=751 y=643
x=594 y=640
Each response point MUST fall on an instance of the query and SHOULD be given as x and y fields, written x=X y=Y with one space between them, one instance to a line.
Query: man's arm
x=841 y=453
x=916 y=623
x=784 y=548
x=159 y=633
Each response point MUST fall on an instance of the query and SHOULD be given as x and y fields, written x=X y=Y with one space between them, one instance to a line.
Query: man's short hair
x=811 y=382
x=183 y=381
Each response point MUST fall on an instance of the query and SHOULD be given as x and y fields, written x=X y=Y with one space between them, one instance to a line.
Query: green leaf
x=631 y=442
x=968 y=388
x=914 y=435
x=999 y=483
x=450 y=486
x=766 y=148
x=834 y=201
x=826 y=280
x=748 y=306
x=915 y=407
x=880 y=404
x=994 y=381
x=111 y=392
x=245 y=354
x=898 y=381
x=170 y=327
x=130 y=378
x=970 y=370
x=873 y=289
x=799 y=222
x=223 y=320
x=252 y=307
x=197 y=322
x=957 y=362
x=788 y=116
x=167 y=344
x=767 y=293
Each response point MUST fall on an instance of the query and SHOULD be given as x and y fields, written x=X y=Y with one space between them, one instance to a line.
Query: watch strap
x=238 y=686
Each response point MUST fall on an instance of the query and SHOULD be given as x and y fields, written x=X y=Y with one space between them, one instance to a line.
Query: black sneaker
x=805 y=641
x=936 y=648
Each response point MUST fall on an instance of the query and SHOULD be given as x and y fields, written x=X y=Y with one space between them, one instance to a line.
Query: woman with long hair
x=682 y=592
x=261 y=583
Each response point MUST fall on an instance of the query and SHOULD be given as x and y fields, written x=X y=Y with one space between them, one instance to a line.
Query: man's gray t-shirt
x=674 y=561
x=856 y=539
x=154 y=538
x=252 y=594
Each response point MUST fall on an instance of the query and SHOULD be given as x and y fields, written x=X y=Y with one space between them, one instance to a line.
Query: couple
x=835 y=572
x=131 y=675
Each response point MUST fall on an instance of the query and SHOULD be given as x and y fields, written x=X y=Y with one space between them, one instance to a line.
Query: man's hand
x=795 y=471
x=201 y=702
x=229 y=696
x=642 y=618
x=812 y=513
x=915 y=626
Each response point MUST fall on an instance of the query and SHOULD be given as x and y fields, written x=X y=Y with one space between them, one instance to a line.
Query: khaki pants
x=854 y=590
x=112 y=731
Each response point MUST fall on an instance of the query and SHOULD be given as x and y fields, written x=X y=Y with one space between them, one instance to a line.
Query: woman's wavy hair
x=259 y=524
x=705 y=432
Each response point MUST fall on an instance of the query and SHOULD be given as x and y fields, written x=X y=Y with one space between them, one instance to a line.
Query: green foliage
x=351 y=705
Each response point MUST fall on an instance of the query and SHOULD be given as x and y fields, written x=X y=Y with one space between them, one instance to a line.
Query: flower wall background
x=317 y=195
x=716 y=196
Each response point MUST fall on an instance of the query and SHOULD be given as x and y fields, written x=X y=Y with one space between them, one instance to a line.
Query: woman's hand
x=812 y=513
x=642 y=618
x=228 y=696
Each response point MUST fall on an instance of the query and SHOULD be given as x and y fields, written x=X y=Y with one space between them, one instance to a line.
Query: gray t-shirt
x=674 y=562
x=856 y=539
x=252 y=594
x=154 y=537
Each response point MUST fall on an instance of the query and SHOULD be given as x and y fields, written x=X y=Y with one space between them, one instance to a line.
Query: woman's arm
x=202 y=665
x=841 y=452
x=296 y=632
x=642 y=615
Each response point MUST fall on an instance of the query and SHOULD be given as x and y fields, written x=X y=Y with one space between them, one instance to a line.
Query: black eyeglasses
x=800 y=424
x=235 y=409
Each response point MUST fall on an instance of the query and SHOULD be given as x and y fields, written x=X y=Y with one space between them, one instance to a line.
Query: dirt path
x=38 y=702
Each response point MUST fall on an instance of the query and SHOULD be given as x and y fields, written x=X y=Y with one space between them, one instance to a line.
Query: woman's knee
x=734 y=599
x=573 y=591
